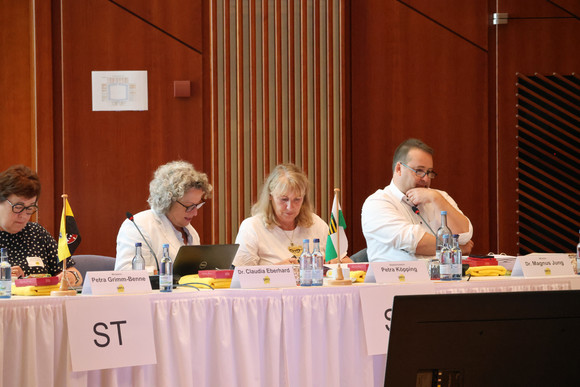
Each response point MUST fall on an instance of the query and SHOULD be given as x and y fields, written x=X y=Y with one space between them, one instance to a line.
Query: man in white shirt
x=399 y=222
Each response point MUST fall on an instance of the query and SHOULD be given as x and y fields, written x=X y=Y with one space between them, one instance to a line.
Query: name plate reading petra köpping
x=400 y=271
x=117 y=282
x=542 y=265
x=273 y=276
x=110 y=332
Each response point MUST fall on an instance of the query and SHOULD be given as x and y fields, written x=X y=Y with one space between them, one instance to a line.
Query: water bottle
x=456 y=267
x=138 y=262
x=166 y=271
x=441 y=231
x=5 y=274
x=434 y=268
x=445 y=259
x=578 y=258
x=317 y=264
x=305 y=264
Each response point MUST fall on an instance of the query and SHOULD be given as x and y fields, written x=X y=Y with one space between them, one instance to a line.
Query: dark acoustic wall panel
x=548 y=113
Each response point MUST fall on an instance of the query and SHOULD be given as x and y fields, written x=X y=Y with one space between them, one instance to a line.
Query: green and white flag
x=336 y=230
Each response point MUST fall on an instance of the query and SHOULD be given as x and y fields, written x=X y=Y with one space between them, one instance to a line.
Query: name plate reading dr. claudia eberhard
x=274 y=276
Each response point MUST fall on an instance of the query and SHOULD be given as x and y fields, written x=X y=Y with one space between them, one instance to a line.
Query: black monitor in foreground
x=486 y=339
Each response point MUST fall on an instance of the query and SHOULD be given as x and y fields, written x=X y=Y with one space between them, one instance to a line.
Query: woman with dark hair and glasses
x=31 y=249
x=176 y=193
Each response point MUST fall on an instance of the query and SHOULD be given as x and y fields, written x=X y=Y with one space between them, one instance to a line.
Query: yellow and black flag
x=69 y=237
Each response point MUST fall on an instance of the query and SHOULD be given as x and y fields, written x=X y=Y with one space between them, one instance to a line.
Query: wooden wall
x=105 y=160
x=421 y=70
x=543 y=37
x=277 y=95
x=438 y=71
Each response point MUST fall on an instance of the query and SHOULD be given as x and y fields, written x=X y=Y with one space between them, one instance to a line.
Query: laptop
x=191 y=259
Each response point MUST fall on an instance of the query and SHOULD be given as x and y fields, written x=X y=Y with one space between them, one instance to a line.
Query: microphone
x=130 y=217
x=416 y=211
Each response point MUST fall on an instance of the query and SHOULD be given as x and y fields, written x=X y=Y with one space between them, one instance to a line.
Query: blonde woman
x=281 y=218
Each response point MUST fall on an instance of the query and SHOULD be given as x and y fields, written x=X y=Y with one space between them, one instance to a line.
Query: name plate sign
x=377 y=311
x=398 y=272
x=110 y=332
x=117 y=282
x=542 y=265
x=272 y=276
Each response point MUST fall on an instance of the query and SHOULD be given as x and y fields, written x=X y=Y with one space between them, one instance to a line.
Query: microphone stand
x=416 y=211
x=130 y=217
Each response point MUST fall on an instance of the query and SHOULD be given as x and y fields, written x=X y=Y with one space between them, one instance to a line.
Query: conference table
x=228 y=337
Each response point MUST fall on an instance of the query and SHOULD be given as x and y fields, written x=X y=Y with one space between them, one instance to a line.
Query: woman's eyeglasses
x=193 y=206
x=19 y=207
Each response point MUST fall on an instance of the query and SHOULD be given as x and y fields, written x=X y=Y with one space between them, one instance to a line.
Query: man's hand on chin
x=421 y=195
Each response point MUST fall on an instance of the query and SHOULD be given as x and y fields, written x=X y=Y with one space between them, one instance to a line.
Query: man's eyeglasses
x=193 y=206
x=421 y=173
x=19 y=207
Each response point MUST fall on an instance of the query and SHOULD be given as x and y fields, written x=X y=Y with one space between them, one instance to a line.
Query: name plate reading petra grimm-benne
x=542 y=265
x=117 y=282
x=254 y=277
x=398 y=272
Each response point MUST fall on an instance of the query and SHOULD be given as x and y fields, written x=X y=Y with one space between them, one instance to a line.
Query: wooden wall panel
x=109 y=157
x=545 y=41
x=466 y=19
x=26 y=95
x=16 y=84
x=412 y=77
x=272 y=81
x=182 y=19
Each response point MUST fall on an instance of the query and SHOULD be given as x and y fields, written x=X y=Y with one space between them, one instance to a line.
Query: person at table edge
x=393 y=231
x=31 y=249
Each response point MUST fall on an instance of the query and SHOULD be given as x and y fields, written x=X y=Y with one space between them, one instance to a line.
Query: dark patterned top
x=33 y=241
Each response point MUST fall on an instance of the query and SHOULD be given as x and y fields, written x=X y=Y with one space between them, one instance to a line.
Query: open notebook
x=191 y=259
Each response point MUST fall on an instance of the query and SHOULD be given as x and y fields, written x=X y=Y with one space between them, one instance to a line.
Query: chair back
x=84 y=263
x=360 y=256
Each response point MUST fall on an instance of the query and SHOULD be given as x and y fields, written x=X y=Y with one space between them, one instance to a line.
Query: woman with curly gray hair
x=176 y=193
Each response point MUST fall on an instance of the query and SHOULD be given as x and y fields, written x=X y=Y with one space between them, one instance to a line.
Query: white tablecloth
x=289 y=337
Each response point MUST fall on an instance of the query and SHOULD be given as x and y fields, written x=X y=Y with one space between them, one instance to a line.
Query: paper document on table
x=506 y=261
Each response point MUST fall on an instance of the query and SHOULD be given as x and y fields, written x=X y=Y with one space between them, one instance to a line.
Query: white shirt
x=268 y=246
x=157 y=230
x=391 y=228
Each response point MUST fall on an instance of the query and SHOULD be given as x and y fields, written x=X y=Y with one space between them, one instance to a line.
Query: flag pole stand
x=64 y=289
x=340 y=280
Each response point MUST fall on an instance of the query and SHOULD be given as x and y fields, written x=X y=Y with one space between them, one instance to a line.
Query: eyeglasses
x=19 y=207
x=193 y=206
x=420 y=173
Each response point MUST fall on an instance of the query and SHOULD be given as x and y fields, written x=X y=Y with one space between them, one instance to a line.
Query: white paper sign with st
x=110 y=332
